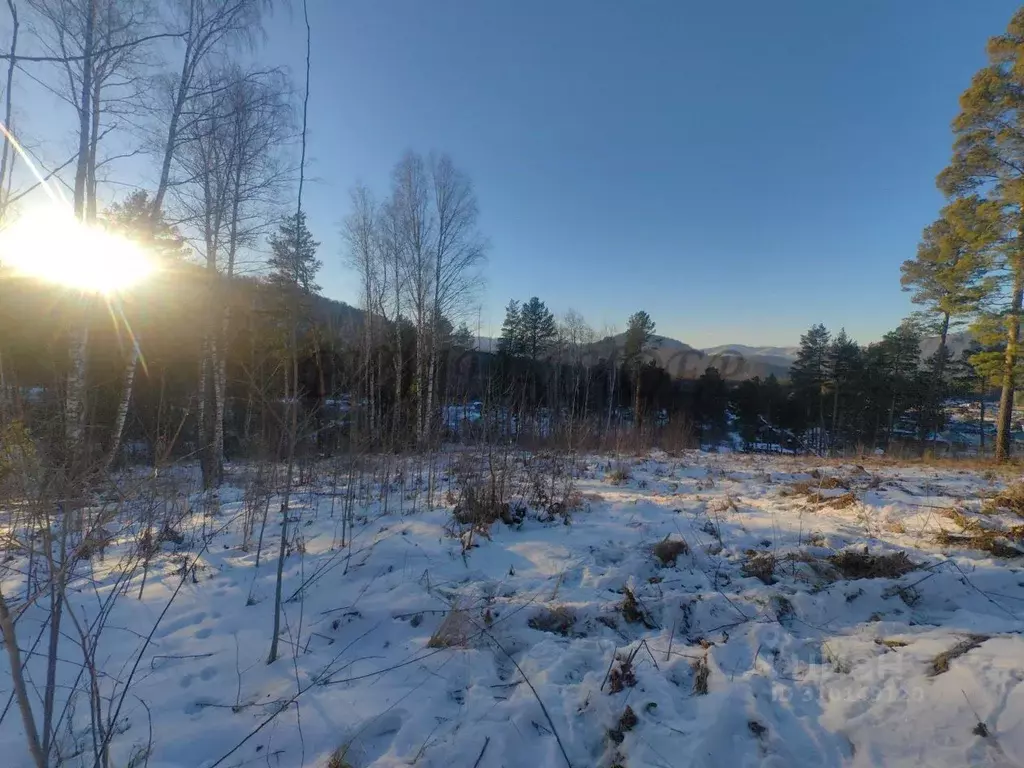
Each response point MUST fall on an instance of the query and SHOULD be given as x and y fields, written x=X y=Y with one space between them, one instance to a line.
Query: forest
x=202 y=358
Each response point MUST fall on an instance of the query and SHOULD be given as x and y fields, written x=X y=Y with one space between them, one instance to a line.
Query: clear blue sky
x=741 y=170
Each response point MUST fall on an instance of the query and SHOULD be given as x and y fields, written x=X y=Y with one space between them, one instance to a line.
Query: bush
x=667 y=550
x=619 y=474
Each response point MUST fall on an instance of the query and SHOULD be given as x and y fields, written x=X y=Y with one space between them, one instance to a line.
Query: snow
x=808 y=669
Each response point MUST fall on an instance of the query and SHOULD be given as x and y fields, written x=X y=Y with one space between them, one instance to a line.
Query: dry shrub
x=959 y=518
x=940 y=663
x=455 y=631
x=95 y=543
x=1011 y=498
x=895 y=526
x=622 y=676
x=632 y=612
x=481 y=508
x=668 y=550
x=619 y=474
x=558 y=620
x=999 y=543
x=337 y=759
x=890 y=643
x=723 y=505
x=760 y=565
x=627 y=722
x=854 y=564
x=701 y=673
x=837 y=502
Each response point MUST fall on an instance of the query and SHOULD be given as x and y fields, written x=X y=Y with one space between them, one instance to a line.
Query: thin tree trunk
x=1004 y=427
x=835 y=416
x=293 y=403
x=6 y=157
x=937 y=374
x=127 y=383
x=75 y=398
x=981 y=432
x=20 y=689
x=172 y=124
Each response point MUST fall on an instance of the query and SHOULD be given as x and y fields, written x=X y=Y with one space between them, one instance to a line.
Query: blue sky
x=740 y=170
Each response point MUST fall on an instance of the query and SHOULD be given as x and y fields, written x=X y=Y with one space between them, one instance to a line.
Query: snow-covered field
x=569 y=638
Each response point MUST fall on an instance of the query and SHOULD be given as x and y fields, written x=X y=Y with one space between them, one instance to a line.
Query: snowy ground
x=565 y=639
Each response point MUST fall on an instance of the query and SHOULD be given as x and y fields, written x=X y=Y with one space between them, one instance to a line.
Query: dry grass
x=627 y=722
x=998 y=543
x=633 y=612
x=558 y=620
x=760 y=565
x=836 y=502
x=1011 y=499
x=701 y=673
x=960 y=518
x=620 y=474
x=723 y=505
x=622 y=676
x=668 y=550
x=455 y=631
x=940 y=663
x=855 y=564
x=337 y=759
x=890 y=643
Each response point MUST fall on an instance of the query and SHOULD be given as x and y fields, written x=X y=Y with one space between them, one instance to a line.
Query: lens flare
x=50 y=244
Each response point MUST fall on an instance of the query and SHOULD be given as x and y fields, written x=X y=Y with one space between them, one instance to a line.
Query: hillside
x=686 y=362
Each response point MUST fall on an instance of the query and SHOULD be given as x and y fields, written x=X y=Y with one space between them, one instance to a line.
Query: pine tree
x=711 y=400
x=462 y=337
x=951 y=274
x=511 y=341
x=988 y=155
x=537 y=329
x=810 y=374
x=843 y=363
x=133 y=217
x=902 y=353
x=639 y=332
x=291 y=265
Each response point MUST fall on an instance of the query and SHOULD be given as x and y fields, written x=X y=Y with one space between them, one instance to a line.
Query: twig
x=536 y=695
x=487 y=741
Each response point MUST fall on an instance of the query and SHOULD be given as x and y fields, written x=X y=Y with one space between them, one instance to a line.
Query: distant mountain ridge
x=735 y=362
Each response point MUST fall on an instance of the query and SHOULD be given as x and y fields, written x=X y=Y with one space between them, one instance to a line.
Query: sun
x=50 y=244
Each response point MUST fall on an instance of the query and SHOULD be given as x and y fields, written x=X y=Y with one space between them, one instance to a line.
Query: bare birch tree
x=361 y=233
x=458 y=254
x=232 y=161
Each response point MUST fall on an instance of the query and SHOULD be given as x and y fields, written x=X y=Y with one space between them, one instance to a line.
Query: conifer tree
x=951 y=276
x=293 y=260
x=639 y=331
x=810 y=373
x=510 y=342
x=843 y=363
x=951 y=273
x=537 y=329
x=988 y=157
x=902 y=352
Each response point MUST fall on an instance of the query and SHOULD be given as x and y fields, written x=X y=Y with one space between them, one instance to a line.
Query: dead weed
x=668 y=550
x=854 y=564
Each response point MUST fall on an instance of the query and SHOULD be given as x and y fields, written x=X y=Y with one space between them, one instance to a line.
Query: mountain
x=686 y=362
x=787 y=353
x=955 y=342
